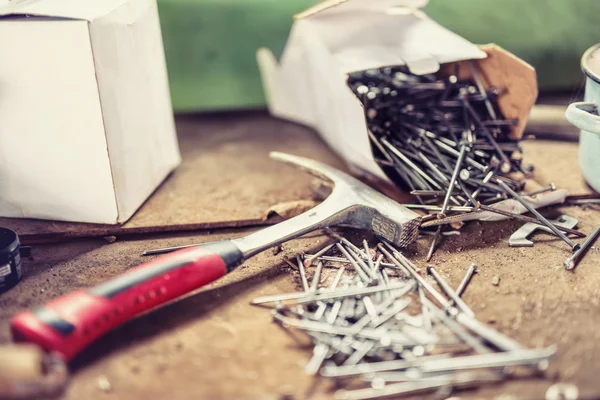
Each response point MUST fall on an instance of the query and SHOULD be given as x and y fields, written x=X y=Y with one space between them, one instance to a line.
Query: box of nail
x=404 y=100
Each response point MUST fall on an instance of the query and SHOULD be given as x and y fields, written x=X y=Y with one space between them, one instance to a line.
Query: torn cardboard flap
x=513 y=76
x=337 y=37
x=336 y=7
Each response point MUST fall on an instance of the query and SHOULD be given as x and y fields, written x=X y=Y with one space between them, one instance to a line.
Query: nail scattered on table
x=386 y=325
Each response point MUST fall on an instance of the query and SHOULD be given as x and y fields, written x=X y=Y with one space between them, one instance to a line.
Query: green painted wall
x=210 y=45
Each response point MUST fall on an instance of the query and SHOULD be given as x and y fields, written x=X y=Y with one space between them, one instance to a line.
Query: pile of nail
x=381 y=329
x=427 y=132
x=445 y=139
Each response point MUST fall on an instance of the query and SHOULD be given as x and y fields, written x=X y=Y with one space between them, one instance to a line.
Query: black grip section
x=229 y=252
x=53 y=320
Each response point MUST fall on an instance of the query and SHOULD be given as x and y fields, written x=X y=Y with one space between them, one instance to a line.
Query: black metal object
x=419 y=124
x=10 y=258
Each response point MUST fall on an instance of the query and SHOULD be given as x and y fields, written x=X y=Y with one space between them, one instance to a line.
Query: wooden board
x=214 y=345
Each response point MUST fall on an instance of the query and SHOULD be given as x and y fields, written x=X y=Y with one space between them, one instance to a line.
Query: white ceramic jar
x=584 y=115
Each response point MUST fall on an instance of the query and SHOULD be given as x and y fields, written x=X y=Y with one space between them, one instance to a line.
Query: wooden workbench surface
x=213 y=344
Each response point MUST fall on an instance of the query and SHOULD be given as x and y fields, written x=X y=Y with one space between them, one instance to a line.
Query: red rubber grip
x=70 y=323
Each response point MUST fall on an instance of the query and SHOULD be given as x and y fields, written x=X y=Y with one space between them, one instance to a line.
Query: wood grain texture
x=213 y=344
x=226 y=180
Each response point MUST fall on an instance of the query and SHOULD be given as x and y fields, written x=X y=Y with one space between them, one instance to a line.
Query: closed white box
x=86 y=124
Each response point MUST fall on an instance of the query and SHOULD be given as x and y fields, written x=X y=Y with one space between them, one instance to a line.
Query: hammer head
x=354 y=204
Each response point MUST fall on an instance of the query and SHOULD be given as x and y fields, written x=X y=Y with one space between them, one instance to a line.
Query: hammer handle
x=68 y=324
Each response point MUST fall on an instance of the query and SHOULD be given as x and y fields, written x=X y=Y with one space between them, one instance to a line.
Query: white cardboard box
x=86 y=124
x=336 y=37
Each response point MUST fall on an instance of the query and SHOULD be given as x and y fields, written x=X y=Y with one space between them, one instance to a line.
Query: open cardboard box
x=337 y=37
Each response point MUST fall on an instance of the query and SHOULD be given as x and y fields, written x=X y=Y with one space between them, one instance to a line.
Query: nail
x=459 y=161
x=482 y=91
x=359 y=271
x=302 y=274
x=359 y=354
x=368 y=333
x=344 y=260
x=456 y=153
x=434 y=242
x=426 y=193
x=419 y=386
x=335 y=310
x=322 y=305
x=389 y=312
x=549 y=188
x=346 y=242
x=424 y=310
x=368 y=270
x=409 y=266
x=539 y=216
x=435 y=151
x=443 y=178
x=463 y=284
x=167 y=250
x=572 y=261
x=494 y=360
x=320 y=311
x=317 y=276
x=506 y=165
x=317 y=254
x=403 y=287
x=331 y=371
x=337 y=278
x=437 y=208
x=368 y=253
x=493 y=337
x=408 y=162
x=319 y=354
x=369 y=307
x=462 y=306
x=379 y=146
x=393 y=260
x=457 y=328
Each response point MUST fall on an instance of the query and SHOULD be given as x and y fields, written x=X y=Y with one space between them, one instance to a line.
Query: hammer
x=68 y=324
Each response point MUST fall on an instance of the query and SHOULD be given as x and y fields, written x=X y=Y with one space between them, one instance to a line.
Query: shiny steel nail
x=549 y=188
x=493 y=337
x=381 y=366
x=359 y=354
x=412 y=165
x=456 y=328
x=462 y=306
x=302 y=274
x=359 y=271
x=459 y=161
x=434 y=242
x=345 y=260
x=539 y=216
x=572 y=261
x=494 y=360
x=319 y=354
x=317 y=276
x=463 y=284
x=321 y=252
x=409 y=266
